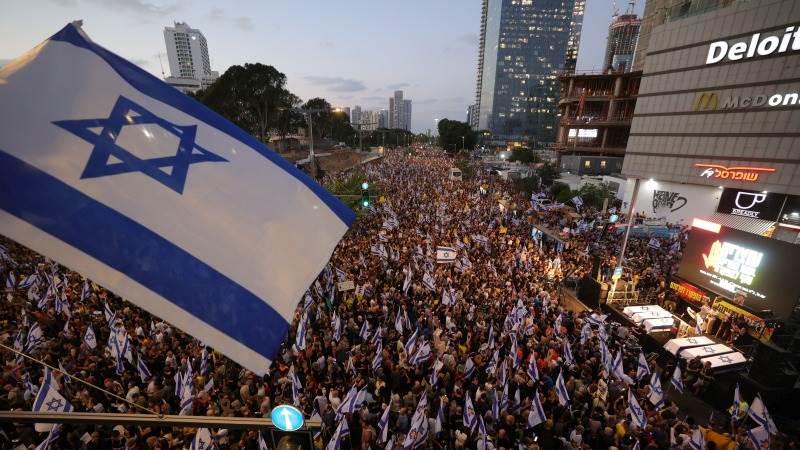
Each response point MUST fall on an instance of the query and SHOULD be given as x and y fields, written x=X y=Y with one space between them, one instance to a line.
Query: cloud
x=392 y=87
x=426 y=101
x=140 y=61
x=240 y=22
x=136 y=7
x=337 y=84
x=470 y=39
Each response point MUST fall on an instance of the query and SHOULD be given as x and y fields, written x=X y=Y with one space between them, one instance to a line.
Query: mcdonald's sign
x=706 y=100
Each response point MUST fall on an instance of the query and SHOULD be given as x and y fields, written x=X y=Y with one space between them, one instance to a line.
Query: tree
x=527 y=185
x=594 y=194
x=453 y=135
x=523 y=155
x=547 y=173
x=254 y=97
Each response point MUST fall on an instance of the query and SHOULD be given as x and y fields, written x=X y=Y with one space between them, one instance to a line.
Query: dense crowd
x=480 y=352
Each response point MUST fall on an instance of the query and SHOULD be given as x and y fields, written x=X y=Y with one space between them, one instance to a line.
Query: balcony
x=609 y=121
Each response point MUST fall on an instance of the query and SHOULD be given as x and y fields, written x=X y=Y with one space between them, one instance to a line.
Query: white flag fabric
x=642 y=368
x=383 y=423
x=759 y=436
x=536 y=416
x=656 y=395
x=677 y=379
x=90 y=339
x=115 y=174
x=638 y=416
x=758 y=412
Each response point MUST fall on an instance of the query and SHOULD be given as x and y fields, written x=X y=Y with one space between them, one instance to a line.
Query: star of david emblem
x=708 y=349
x=692 y=341
x=202 y=443
x=55 y=404
x=725 y=359
x=109 y=159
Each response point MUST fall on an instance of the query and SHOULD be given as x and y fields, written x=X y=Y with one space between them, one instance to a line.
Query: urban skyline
x=440 y=78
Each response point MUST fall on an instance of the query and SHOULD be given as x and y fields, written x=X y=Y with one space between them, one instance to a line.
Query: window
x=603 y=164
x=587 y=164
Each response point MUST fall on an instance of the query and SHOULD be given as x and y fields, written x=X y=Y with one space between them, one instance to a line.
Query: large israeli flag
x=137 y=186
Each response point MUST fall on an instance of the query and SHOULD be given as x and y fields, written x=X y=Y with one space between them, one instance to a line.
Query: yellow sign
x=503 y=230
x=706 y=100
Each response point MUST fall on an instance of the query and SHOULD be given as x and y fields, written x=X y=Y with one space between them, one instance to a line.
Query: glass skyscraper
x=524 y=46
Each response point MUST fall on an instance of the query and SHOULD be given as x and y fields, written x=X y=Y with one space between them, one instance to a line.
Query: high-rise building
x=525 y=45
x=355 y=115
x=189 y=63
x=406 y=115
x=383 y=118
x=399 y=112
x=623 y=33
x=369 y=120
x=472 y=116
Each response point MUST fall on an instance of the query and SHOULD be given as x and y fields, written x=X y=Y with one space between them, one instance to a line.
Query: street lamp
x=463 y=146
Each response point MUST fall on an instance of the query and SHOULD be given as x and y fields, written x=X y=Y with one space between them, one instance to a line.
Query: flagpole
x=82 y=381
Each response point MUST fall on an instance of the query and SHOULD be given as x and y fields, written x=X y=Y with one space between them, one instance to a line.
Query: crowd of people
x=423 y=350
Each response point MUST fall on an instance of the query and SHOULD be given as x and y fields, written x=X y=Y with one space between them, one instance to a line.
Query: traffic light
x=365 y=195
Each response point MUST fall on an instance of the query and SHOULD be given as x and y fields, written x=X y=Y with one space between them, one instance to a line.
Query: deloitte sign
x=755 y=46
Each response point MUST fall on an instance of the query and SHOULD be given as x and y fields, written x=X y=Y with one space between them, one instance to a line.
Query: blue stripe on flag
x=125 y=245
x=150 y=85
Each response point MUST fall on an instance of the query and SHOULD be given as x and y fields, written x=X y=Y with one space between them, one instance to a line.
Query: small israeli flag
x=561 y=389
x=378 y=359
x=536 y=416
x=697 y=441
x=52 y=437
x=586 y=333
x=677 y=379
x=119 y=176
x=141 y=367
x=422 y=354
x=759 y=436
x=202 y=440
x=567 y=353
x=445 y=255
x=758 y=412
x=490 y=344
x=656 y=395
x=429 y=282
x=469 y=368
x=300 y=338
x=470 y=417
x=48 y=399
x=407 y=280
x=262 y=445
x=643 y=368
x=619 y=371
x=341 y=432
x=398 y=321
x=35 y=338
x=638 y=417
x=438 y=424
x=412 y=343
x=533 y=371
x=90 y=339
x=383 y=423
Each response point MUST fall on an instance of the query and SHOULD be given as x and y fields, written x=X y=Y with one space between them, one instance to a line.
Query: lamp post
x=463 y=146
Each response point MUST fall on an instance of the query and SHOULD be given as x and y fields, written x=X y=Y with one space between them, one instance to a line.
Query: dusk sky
x=351 y=52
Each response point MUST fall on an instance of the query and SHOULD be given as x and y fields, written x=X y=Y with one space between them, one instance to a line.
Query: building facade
x=383 y=118
x=187 y=53
x=399 y=112
x=355 y=115
x=406 y=115
x=718 y=110
x=595 y=113
x=524 y=45
x=623 y=33
x=472 y=116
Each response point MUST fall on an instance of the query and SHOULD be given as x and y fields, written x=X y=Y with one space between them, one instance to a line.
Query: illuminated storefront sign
x=756 y=326
x=755 y=46
x=732 y=173
x=758 y=205
x=709 y=100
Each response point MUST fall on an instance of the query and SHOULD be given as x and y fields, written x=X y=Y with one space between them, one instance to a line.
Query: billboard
x=731 y=262
x=759 y=205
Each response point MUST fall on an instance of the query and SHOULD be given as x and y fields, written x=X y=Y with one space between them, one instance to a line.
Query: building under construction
x=623 y=32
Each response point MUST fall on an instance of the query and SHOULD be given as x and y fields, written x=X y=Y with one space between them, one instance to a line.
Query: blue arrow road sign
x=287 y=418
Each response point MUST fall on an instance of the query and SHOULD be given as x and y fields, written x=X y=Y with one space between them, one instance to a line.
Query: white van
x=455 y=174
